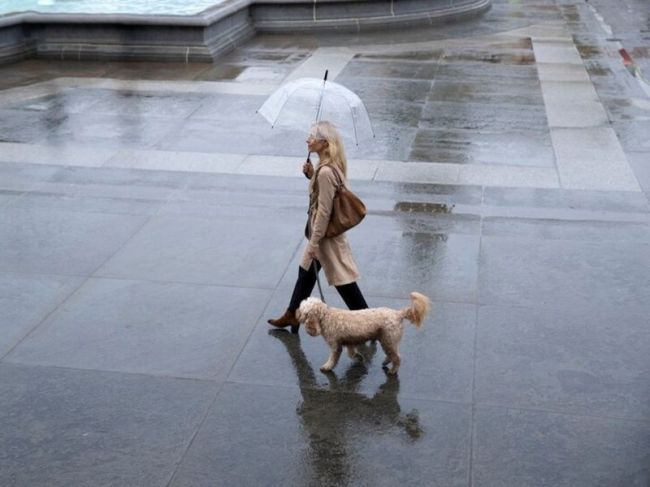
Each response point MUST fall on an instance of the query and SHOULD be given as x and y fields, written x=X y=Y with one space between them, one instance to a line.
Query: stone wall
x=215 y=31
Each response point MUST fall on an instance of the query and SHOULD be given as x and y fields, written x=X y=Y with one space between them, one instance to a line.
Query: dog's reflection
x=334 y=421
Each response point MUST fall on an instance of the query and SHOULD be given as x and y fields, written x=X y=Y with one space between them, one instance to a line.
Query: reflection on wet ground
x=381 y=410
x=409 y=207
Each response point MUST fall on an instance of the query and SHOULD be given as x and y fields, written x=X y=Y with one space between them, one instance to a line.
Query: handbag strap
x=335 y=170
x=338 y=177
x=316 y=189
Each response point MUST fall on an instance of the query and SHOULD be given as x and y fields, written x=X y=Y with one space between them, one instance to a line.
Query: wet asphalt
x=134 y=348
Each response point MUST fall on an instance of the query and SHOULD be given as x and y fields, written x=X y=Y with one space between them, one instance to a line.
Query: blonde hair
x=335 y=152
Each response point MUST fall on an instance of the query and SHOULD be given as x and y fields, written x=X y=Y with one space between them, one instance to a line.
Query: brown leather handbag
x=347 y=208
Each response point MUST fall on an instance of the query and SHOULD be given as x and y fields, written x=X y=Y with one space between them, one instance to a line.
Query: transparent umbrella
x=299 y=103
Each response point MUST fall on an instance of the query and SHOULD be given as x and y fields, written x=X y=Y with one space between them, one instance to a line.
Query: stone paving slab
x=332 y=59
x=538 y=177
x=639 y=162
x=414 y=172
x=111 y=131
x=55 y=197
x=632 y=135
x=27 y=300
x=482 y=117
x=395 y=70
x=568 y=91
x=588 y=157
x=66 y=427
x=564 y=52
x=563 y=450
x=474 y=91
x=41 y=241
x=22 y=177
x=218 y=106
x=57 y=155
x=252 y=136
x=575 y=113
x=9 y=196
x=175 y=161
x=251 y=253
x=164 y=329
x=376 y=439
x=87 y=181
x=562 y=72
x=468 y=147
x=615 y=201
x=564 y=361
x=587 y=226
x=567 y=274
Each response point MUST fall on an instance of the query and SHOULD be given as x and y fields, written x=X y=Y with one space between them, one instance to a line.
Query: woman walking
x=332 y=254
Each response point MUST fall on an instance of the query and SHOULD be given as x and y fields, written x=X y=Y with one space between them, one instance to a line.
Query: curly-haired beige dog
x=350 y=328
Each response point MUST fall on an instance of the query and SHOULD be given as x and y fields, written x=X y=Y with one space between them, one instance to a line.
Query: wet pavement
x=152 y=223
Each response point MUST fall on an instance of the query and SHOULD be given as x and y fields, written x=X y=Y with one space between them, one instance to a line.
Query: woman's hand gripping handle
x=308 y=169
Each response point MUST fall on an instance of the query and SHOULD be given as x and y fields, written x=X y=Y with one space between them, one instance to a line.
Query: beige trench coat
x=335 y=252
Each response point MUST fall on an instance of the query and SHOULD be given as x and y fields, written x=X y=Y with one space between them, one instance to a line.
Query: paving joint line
x=74 y=292
x=193 y=437
x=111 y=371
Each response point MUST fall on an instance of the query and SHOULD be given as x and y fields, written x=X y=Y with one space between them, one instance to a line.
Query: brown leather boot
x=287 y=319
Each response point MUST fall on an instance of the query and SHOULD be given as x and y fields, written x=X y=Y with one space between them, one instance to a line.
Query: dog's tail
x=418 y=310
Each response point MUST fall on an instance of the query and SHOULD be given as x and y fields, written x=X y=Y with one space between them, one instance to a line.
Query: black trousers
x=350 y=293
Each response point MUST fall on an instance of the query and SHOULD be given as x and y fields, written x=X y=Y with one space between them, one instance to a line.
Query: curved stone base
x=215 y=31
x=355 y=16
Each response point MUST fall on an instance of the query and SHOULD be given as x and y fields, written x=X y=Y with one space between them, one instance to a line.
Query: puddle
x=597 y=69
x=430 y=208
x=521 y=43
x=222 y=72
x=588 y=51
x=570 y=13
x=493 y=58
x=266 y=57
x=402 y=56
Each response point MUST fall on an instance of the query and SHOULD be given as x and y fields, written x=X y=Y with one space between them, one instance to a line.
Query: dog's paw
x=392 y=371
x=325 y=369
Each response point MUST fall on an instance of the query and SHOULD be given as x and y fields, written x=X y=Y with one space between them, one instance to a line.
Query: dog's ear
x=320 y=308
x=305 y=310
x=312 y=326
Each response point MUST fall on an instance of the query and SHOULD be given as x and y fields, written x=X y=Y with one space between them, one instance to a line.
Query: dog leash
x=320 y=289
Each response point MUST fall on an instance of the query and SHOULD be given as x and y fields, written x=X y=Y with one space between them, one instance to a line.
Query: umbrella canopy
x=299 y=103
